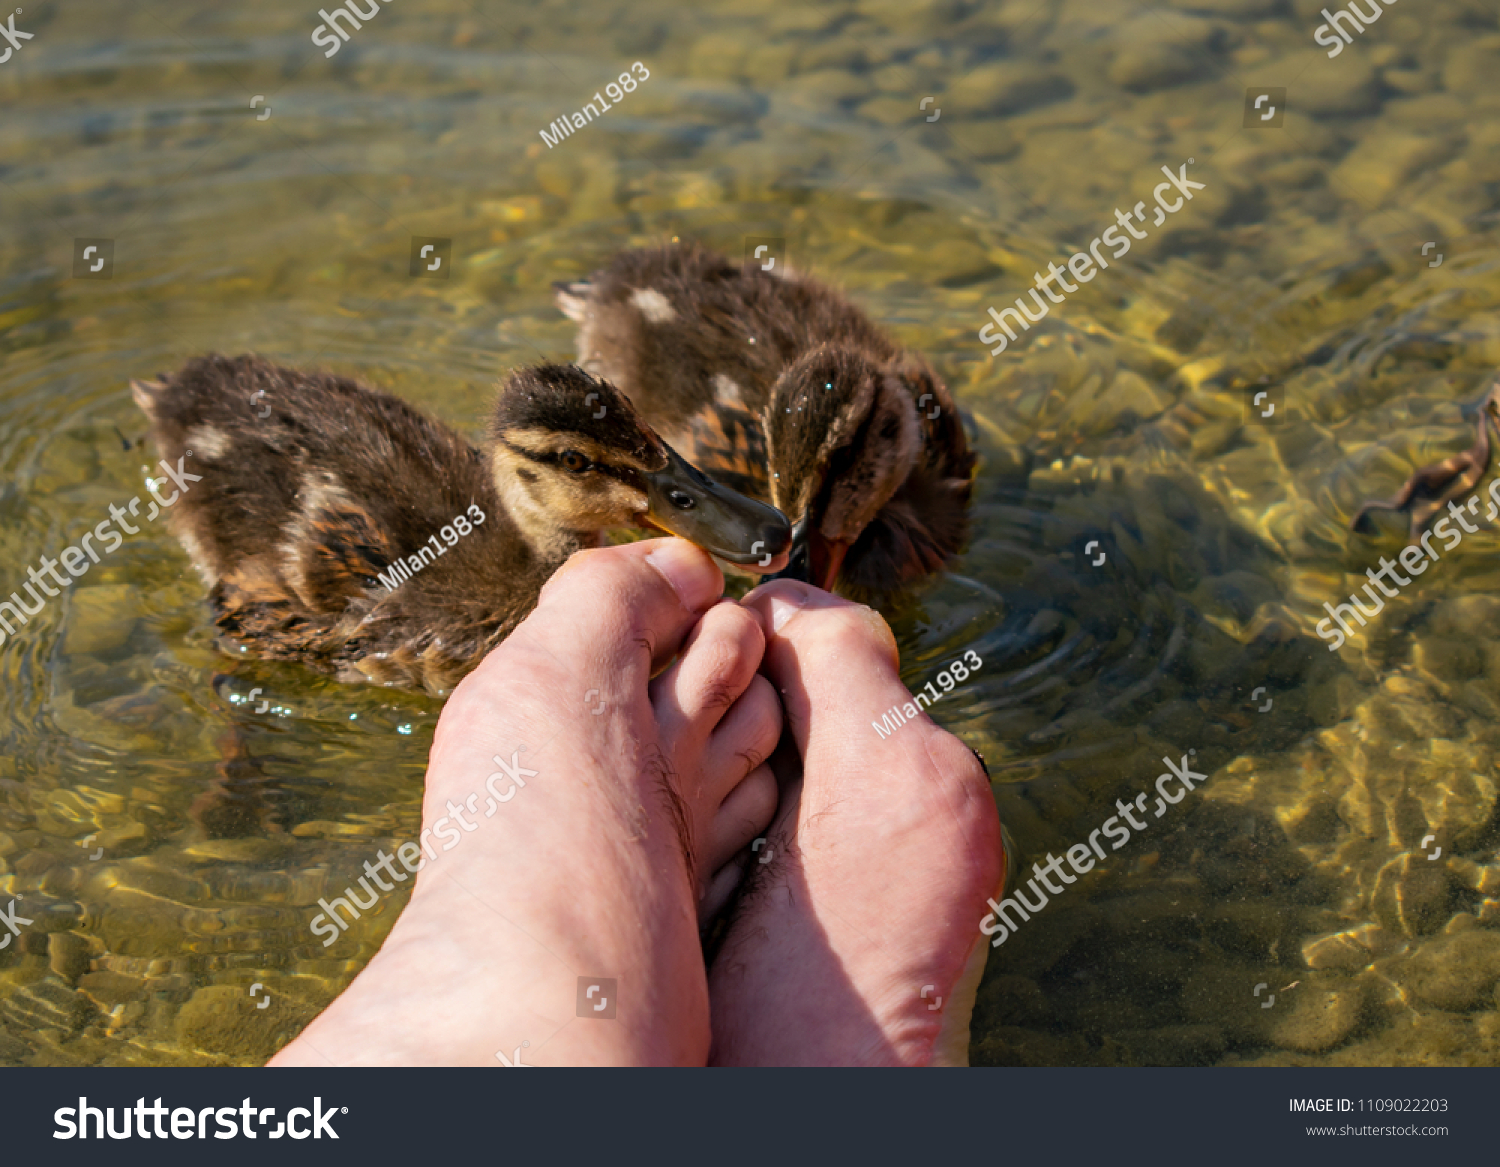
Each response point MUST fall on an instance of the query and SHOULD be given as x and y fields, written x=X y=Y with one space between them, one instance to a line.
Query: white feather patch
x=317 y=493
x=201 y=562
x=207 y=441
x=727 y=393
x=653 y=305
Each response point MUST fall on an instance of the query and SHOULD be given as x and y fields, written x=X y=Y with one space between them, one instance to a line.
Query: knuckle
x=744 y=625
x=850 y=628
x=717 y=693
x=723 y=654
x=733 y=627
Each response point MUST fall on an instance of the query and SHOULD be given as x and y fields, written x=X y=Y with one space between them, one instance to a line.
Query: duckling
x=785 y=391
x=339 y=527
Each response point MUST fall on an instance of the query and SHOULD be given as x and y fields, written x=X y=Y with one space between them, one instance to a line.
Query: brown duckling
x=782 y=389
x=339 y=527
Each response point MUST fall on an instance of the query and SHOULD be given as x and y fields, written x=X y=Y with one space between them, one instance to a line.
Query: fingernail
x=784 y=605
x=689 y=571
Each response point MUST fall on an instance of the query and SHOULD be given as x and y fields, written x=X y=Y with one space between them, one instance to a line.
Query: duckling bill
x=314 y=486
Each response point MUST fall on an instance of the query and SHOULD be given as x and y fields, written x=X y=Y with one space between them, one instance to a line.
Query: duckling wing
x=691 y=384
x=308 y=592
x=670 y=328
x=727 y=442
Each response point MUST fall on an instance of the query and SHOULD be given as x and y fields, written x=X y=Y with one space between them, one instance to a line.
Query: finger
x=645 y=595
x=745 y=737
x=744 y=815
x=828 y=653
x=716 y=665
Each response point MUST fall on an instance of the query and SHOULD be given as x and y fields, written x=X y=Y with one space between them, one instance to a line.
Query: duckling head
x=841 y=437
x=571 y=457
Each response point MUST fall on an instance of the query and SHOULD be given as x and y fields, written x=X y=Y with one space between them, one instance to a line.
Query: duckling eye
x=574 y=461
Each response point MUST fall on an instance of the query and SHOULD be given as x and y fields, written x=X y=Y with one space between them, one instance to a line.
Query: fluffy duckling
x=782 y=389
x=339 y=527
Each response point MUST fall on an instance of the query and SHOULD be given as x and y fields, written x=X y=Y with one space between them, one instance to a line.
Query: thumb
x=649 y=593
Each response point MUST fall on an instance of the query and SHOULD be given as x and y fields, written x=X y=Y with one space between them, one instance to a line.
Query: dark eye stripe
x=554 y=459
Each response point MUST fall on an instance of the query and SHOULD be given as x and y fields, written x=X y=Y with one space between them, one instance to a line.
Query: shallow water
x=1299 y=868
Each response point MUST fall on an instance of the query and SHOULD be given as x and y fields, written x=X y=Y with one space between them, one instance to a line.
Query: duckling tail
x=146 y=394
x=573 y=298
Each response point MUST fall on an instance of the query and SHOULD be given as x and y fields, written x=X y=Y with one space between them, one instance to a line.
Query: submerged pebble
x=1455 y=973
